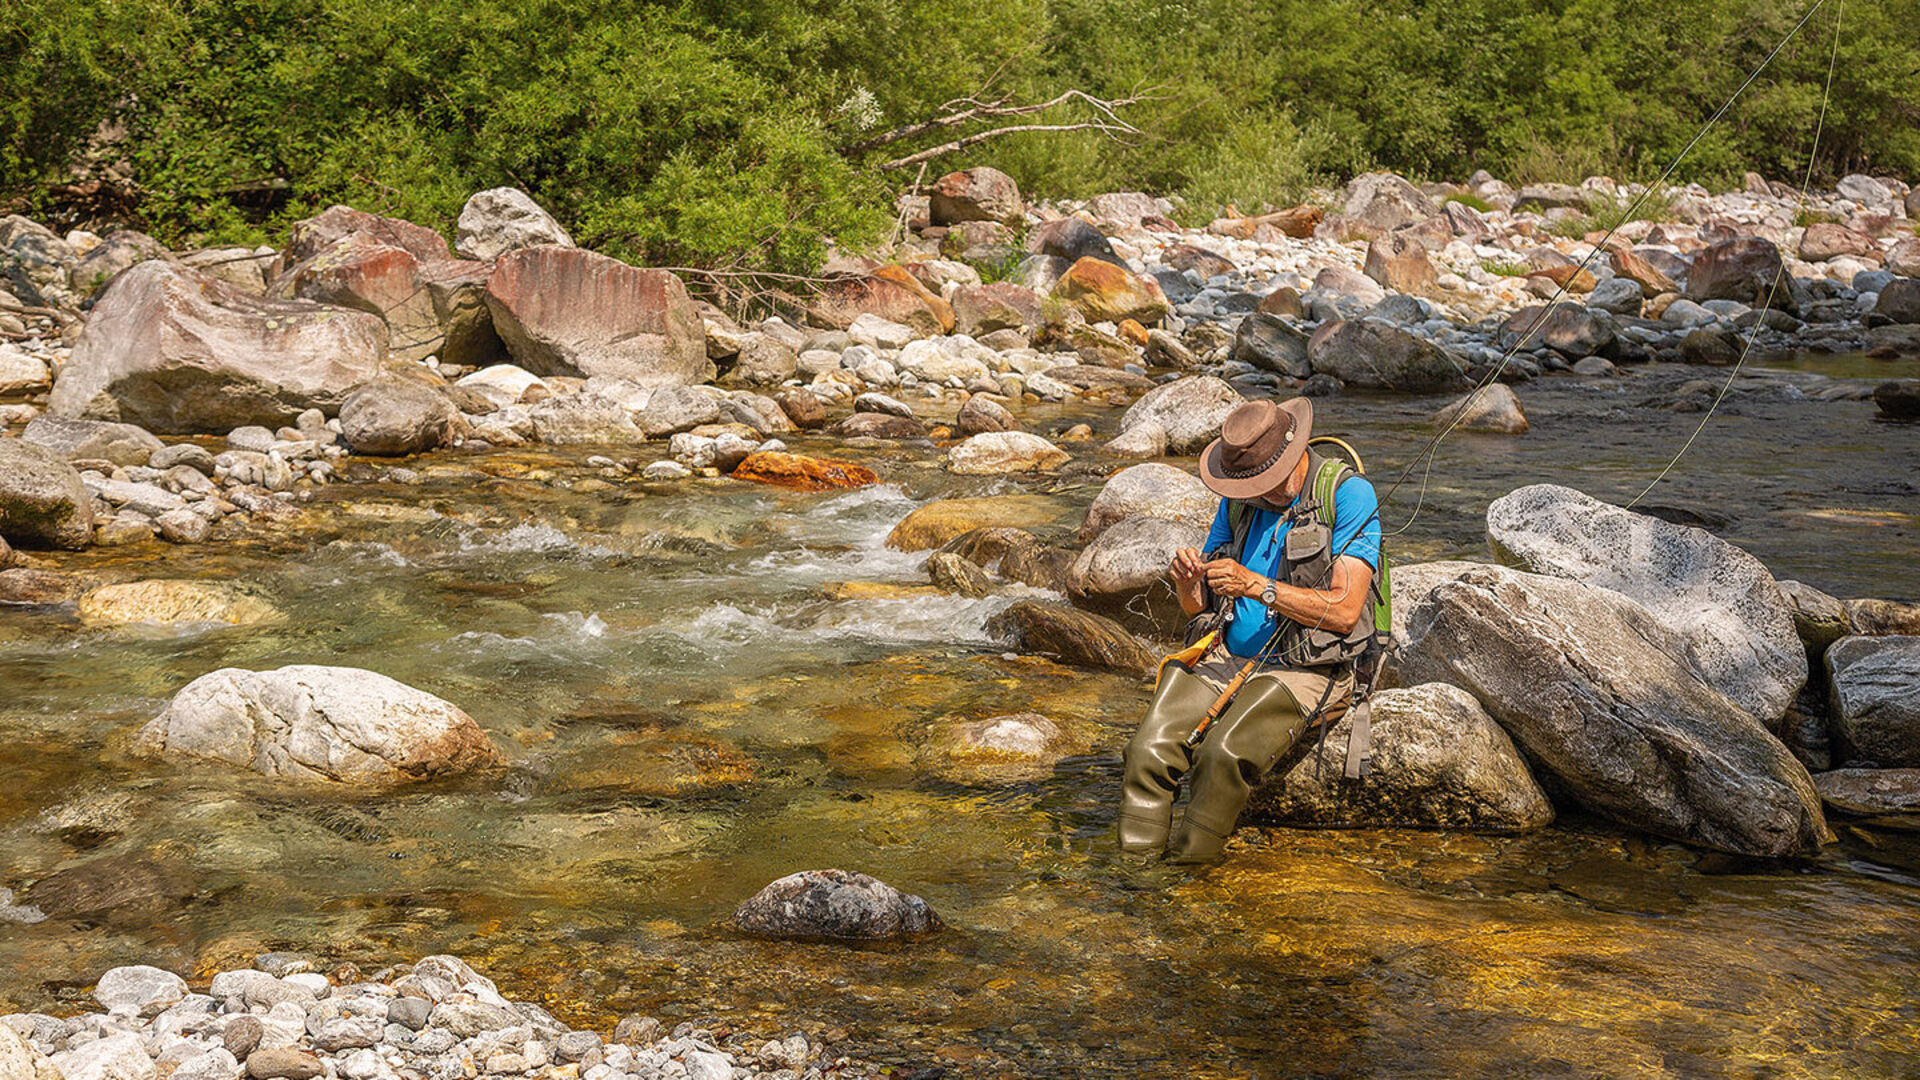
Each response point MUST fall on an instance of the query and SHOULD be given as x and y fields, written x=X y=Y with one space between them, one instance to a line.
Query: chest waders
x=1228 y=737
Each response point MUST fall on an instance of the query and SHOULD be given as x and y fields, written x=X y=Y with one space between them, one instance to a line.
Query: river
x=691 y=713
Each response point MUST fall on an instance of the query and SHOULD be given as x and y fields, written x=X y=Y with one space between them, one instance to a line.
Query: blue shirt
x=1356 y=529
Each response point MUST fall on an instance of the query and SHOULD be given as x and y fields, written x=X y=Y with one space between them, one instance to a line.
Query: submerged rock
x=1438 y=761
x=1595 y=689
x=834 y=905
x=319 y=723
x=1876 y=699
x=1726 y=607
x=172 y=601
x=937 y=522
x=1075 y=637
x=1493 y=408
x=999 y=749
x=93 y=440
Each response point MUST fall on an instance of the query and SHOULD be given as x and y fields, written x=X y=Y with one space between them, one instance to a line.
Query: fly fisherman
x=1284 y=604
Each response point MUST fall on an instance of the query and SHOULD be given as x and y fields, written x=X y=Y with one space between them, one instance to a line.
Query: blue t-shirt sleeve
x=1356 y=521
x=1221 y=533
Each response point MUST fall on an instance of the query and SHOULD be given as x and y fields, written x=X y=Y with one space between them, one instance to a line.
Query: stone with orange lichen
x=1104 y=292
x=799 y=471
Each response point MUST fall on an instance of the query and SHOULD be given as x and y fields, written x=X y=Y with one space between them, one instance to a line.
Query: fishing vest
x=1306 y=560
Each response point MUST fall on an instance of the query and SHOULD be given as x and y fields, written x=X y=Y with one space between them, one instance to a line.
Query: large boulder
x=834 y=905
x=889 y=293
x=361 y=273
x=1150 y=490
x=93 y=440
x=1104 y=292
x=1377 y=355
x=43 y=502
x=1900 y=301
x=1745 y=268
x=1572 y=330
x=498 y=220
x=1598 y=692
x=310 y=236
x=977 y=194
x=396 y=417
x=567 y=311
x=994 y=452
x=1273 y=344
x=1188 y=411
x=1400 y=264
x=458 y=289
x=1378 y=203
x=1876 y=699
x=1074 y=637
x=1719 y=600
x=1132 y=556
x=1825 y=240
x=174 y=350
x=1068 y=240
x=979 y=310
x=1438 y=761
x=318 y=723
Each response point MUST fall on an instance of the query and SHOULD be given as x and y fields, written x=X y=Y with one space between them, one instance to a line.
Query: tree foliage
x=713 y=132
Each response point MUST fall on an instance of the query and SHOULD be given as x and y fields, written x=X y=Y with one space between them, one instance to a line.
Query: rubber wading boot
x=1263 y=723
x=1157 y=758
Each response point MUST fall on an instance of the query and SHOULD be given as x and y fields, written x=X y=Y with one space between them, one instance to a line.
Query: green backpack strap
x=1326 y=482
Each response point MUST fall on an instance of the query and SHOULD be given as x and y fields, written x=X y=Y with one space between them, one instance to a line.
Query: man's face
x=1282 y=494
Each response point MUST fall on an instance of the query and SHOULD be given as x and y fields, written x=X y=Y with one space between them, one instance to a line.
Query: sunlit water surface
x=689 y=716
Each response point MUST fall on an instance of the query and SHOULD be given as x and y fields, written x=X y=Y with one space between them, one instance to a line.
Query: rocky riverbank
x=436 y=1019
x=242 y=396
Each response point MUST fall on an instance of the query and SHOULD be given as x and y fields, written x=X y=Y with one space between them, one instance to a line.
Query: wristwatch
x=1269 y=594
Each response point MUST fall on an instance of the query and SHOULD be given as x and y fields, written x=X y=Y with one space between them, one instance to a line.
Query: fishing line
x=1460 y=411
x=1806 y=181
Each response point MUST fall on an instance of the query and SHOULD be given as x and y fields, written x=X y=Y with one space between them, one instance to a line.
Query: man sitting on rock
x=1292 y=580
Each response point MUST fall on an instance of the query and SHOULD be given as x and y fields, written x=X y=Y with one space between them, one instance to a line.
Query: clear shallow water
x=690 y=715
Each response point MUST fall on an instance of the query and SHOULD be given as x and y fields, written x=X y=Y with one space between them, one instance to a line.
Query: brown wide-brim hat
x=1260 y=444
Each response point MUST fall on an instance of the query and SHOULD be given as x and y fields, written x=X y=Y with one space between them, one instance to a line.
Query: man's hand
x=1187 y=566
x=1229 y=578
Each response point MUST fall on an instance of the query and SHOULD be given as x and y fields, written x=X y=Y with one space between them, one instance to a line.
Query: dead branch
x=45 y=312
x=968 y=109
x=1121 y=128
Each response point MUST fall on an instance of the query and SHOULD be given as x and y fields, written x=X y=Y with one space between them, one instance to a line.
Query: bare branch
x=45 y=312
x=965 y=110
x=994 y=133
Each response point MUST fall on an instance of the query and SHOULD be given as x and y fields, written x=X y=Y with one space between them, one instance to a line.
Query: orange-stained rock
x=800 y=471
x=1575 y=279
x=1133 y=332
x=1104 y=292
x=1636 y=269
x=889 y=292
x=1298 y=222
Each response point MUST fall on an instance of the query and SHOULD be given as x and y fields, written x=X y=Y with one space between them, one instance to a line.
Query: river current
x=695 y=705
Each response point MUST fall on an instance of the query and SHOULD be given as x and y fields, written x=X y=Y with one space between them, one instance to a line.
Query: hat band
x=1242 y=474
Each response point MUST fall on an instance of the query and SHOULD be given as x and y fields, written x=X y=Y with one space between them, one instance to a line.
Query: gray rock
x=19 y=1059
x=398 y=417
x=1618 y=296
x=1746 y=268
x=198 y=458
x=215 y=1064
x=834 y=905
x=174 y=350
x=34 y=263
x=1726 y=607
x=582 y=418
x=43 y=502
x=1819 y=619
x=764 y=360
x=1876 y=699
x=252 y=438
x=1132 y=555
x=1863 y=189
x=1378 y=203
x=881 y=403
x=1380 y=356
x=183 y=526
x=1597 y=692
x=1898 y=398
x=1074 y=637
x=981 y=414
x=672 y=409
x=1900 y=301
x=474 y=1018
x=242 y=1035
x=93 y=440
x=349 y=1033
x=1438 y=761
x=499 y=220
x=1150 y=490
x=1271 y=343
x=1870 y=791
x=952 y=573
x=112 y=1057
x=1494 y=409
x=321 y=723
x=1189 y=410
x=999 y=452
x=1567 y=328
x=409 y=1012
x=139 y=990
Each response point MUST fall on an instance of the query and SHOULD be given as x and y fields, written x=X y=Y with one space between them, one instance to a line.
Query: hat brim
x=1212 y=471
